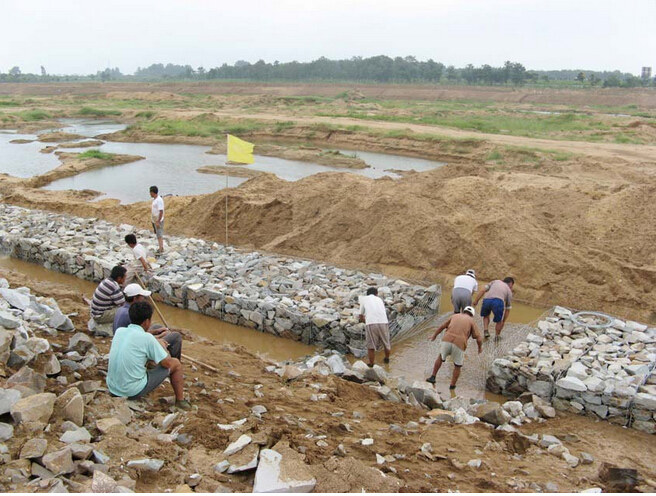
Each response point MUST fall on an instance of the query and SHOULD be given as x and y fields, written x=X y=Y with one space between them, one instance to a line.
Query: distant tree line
x=379 y=69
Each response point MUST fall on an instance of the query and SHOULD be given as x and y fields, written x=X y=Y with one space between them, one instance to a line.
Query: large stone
x=59 y=462
x=425 y=394
x=70 y=406
x=27 y=381
x=244 y=460
x=80 y=435
x=150 y=464
x=52 y=366
x=492 y=413
x=6 y=431
x=34 y=448
x=36 y=408
x=15 y=298
x=61 y=322
x=336 y=364
x=8 y=320
x=238 y=445
x=80 y=342
x=572 y=384
x=111 y=424
x=278 y=474
x=102 y=483
x=7 y=399
x=543 y=408
x=645 y=400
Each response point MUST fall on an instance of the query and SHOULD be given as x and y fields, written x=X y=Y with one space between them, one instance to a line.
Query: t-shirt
x=461 y=326
x=107 y=295
x=131 y=348
x=122 y=317
x=156 y=206
x=373 y=309
x=466 y=282
x=499 y=289
x=139 y=252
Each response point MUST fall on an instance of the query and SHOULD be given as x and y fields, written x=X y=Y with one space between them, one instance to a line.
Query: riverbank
x=322 y=418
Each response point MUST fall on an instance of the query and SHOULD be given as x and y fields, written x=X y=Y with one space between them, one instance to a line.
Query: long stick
x=226 y=195
x=159 y=312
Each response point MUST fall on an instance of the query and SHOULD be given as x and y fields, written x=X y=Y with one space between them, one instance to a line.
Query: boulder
x=59 y=462
x=336 y=364
x=61 y=322
x=15 y=298
x=425 y=394
x=80 y=435
x=543 y=408
x=238 y=445
x=52 y=366
x=492 y=413
x=70 y=406
x=572 y=384
x=6 y=431
x=27 y=382
x=111 y=424
x=244 y=460
x=102 y=483
x=149 y=464
x=36 y=408
x=282 y=474
x=7 y=399
x=8 y=320
x=34 y=448
x=80 y=342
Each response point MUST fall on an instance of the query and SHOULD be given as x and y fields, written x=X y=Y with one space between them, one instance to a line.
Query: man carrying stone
x=140 y=265
x=132 y=347
x=108 y=297
x=459 y=328
x=134 y=294
x=464 y=286
x=498 y=299
x=157 y=217
x=373 y=314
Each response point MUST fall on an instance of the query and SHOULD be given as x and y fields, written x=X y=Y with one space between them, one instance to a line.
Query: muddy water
x=202 y=325
x=172 y=167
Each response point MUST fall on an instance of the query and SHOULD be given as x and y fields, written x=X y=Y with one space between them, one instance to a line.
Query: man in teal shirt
x=131 y=348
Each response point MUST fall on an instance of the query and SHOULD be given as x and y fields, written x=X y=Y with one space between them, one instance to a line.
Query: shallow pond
x=171 y=167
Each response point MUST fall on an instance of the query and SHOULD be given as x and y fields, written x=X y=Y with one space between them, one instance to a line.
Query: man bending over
x=131 y=348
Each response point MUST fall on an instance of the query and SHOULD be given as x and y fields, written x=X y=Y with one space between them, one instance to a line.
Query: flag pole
x=226 y=195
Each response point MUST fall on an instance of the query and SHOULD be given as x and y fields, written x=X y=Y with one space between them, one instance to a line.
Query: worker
x=497 y=300
x=108 y=296
x=464 y=286
x=132 y=347
x=459 y=327
x=140 y=266
x=374 y=315
x=134 y=293
x=157 y=217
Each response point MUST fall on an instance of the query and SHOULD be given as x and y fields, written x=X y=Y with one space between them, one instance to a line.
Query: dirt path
x=636 y=153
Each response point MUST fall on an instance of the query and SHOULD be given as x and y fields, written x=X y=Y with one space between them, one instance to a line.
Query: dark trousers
x=174 y=341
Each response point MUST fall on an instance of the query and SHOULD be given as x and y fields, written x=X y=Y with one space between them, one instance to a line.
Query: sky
x=83 y=36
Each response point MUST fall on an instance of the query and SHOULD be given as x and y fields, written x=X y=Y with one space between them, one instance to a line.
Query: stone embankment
x=588 y=365
x=288 y=297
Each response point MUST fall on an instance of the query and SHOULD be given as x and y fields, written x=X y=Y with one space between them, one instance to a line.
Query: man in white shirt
x=157 y=217
x=464 y=286
x=373 y=314
x=140 y=265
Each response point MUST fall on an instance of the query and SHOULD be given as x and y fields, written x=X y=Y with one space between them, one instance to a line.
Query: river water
x=171 y=167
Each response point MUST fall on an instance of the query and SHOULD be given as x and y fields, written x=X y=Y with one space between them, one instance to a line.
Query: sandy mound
x=148 y=96
x=223 y=170
x=58 y=136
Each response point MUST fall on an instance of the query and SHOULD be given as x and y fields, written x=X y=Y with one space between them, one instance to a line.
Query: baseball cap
x=470 y=311
x=134 y=289
x=471 y=273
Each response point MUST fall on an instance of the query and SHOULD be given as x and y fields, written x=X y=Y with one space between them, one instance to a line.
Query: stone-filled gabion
x=289 y=297
x=609 y=373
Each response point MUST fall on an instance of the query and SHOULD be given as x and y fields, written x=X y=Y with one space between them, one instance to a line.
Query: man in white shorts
x=373 y=314
x=459 y=328
x=157 y=217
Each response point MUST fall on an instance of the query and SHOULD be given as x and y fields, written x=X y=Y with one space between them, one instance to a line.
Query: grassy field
x=95 y=154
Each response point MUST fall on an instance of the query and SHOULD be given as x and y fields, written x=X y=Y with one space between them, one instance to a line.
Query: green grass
x=94 y=112
x=280 y=126
x=146 y=114
x=34 y=115
x=199 y=126
x=9 y=103
x=494 y=155
x=95 y=154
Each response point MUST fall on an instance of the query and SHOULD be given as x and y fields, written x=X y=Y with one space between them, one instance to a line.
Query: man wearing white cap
x=459 y=328
x=134 y=293
x=464 y=286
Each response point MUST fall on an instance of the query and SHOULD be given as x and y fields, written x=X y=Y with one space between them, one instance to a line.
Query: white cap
x=134 y=289
x=471 y=272
x=470 y=311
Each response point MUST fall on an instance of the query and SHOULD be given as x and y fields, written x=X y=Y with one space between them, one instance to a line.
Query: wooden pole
x=159 y=312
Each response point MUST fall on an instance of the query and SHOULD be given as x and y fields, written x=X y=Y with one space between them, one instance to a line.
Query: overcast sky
x=82 y=36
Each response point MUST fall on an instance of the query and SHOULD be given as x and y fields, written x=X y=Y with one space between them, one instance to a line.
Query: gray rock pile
x=580 y=366
x=289 y=297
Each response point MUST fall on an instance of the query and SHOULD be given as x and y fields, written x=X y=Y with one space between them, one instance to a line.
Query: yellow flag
x=239 y=151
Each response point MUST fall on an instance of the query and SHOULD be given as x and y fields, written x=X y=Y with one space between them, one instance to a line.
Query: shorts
x=460 y=298
x=106 y=317
x=456 y=353
x=494 y=305
x=155 y=377
x=377 y=336
x=159 y=231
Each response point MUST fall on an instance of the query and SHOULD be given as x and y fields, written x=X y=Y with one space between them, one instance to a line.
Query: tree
x=43 y=72
x=15 y=71
x=580 y=77
x=594 y=80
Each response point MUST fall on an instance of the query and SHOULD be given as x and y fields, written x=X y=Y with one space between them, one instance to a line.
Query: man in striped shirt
x=108 y=296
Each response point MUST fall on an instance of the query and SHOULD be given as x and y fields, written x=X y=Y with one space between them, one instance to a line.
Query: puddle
x=172 y=167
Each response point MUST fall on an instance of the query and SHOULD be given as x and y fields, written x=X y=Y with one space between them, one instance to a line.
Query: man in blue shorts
x=497 y=300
